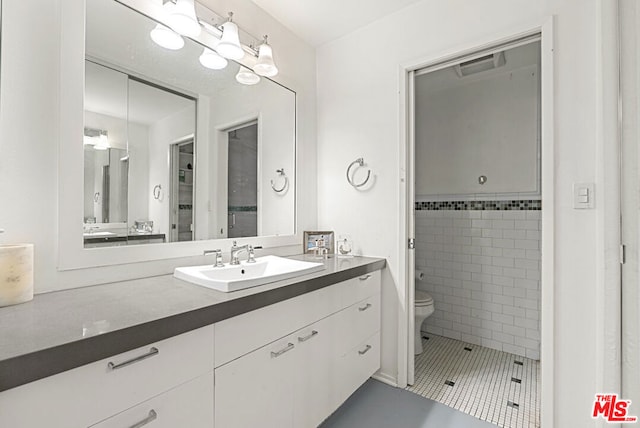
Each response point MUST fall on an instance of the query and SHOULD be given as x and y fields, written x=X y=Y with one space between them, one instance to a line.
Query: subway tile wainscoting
x=481 y=261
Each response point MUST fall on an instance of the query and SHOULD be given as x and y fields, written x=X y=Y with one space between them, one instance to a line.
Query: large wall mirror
x=174 y=151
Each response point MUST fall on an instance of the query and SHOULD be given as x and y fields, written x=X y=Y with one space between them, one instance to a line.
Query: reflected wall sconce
x=247 y=77
x=165 y=36
x=211 y=59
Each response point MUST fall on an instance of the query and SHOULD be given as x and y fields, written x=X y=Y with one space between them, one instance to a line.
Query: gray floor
x=377 y=405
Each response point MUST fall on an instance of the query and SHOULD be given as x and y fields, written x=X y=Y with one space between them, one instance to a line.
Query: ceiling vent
x=478 y=65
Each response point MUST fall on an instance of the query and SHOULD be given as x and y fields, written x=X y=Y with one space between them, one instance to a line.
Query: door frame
x=406 y=275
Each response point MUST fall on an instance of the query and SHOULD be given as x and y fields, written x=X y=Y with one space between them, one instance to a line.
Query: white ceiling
x=320 y=21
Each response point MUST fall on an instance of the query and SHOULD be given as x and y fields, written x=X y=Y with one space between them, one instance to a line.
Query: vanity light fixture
x=183 y=18
x=247 y=77
x=265 y=65
x=212 y=60
x=229 y=46
x=167 y=38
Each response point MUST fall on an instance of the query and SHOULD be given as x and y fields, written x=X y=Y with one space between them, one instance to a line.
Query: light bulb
x=265 y=65
x=212 y=60
x=183 y=18
x=167 y=38
x=247 y=77
x=229 y=46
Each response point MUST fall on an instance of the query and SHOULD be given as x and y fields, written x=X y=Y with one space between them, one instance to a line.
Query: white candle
x=16 y=274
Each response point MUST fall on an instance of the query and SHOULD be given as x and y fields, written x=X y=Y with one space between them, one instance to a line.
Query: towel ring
x=281 y=173
x=359 y=161
x=157 y=192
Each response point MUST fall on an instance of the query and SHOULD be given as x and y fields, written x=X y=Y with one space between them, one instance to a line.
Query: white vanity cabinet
x=86 y=395
x=287 y=364
x=298 y=380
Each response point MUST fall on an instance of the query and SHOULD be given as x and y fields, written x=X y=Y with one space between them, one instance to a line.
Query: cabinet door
x=312 y=380
x=256 y=390
x=188 y=405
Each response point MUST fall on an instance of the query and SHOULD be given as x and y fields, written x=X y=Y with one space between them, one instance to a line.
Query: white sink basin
x=237 y=277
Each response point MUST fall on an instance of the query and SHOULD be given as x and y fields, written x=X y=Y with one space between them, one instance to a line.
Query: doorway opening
x=182 y=191
x=474 y=209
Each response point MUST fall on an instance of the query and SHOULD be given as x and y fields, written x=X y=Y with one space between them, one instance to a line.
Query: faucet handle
x=252 y=257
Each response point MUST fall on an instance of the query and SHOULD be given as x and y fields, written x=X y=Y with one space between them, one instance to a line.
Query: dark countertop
x=63 y=330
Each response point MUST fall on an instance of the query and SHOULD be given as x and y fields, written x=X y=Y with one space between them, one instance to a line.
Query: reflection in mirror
x=175 y=151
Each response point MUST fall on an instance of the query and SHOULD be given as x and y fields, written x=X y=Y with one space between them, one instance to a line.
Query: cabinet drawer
x=188 y=405
x=355 y=367
x=359 y=322
x=239 y=335
x=91 y=393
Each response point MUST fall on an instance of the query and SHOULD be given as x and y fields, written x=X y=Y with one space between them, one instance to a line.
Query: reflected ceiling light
x=265 y=65
x=167 y=38
x=229 y=46
x=212 y=60
x=183 y=18
x=97 y=138
x=247 y=77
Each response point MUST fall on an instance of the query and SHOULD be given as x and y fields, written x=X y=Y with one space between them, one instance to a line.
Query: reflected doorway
x=242 y=202
x=181 y=211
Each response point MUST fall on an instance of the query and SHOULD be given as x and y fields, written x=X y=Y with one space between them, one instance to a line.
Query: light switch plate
x=584 y=196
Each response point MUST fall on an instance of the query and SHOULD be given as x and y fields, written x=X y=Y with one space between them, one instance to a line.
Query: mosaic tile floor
x=491 y=385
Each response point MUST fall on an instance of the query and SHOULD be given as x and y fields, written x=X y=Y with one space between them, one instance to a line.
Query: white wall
x=487 y=127
x=162 y=134
x=30 y=128
x=358 y=110
x=237 y=105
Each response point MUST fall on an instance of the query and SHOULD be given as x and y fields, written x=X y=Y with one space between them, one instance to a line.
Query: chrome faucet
x=235 y=251
x=218 y=254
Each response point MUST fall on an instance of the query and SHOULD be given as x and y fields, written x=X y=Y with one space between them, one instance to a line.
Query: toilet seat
x=423 y=299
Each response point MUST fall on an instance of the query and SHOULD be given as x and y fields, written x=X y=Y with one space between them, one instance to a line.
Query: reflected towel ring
x=359 y=161
x=281 y=173
x=157 y=192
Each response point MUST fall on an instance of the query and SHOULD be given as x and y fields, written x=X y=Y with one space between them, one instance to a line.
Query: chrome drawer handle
x=282 y=351
x=309 y=336
x=153 y=351
x=365 y=307
x=365 y=350
x=152 y=417
x=364 y=278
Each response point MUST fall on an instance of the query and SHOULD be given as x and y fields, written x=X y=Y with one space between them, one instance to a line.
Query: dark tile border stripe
x=513 y=205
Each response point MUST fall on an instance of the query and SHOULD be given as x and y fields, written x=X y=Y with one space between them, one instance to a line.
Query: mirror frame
x=71 y=251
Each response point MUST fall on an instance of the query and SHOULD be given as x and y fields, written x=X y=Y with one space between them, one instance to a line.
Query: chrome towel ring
x=157 y=192
x=281 y=173
x=360 y=162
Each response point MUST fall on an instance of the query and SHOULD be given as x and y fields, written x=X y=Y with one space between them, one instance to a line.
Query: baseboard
x=385 y=378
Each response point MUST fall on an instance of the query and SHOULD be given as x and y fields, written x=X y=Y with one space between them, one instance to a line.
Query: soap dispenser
x=16 y=273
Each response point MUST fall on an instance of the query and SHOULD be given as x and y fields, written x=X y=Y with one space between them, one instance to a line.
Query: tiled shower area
x=481 y=264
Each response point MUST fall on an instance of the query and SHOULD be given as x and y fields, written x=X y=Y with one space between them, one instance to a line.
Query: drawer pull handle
x=152 y=417
x=282 y=351
x=365 y=307
x=153 y=351
x=364 y=278
x=365 y=350
x=309 y=336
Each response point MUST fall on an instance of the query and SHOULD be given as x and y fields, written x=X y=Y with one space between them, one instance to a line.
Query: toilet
x=423 y=308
